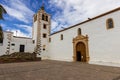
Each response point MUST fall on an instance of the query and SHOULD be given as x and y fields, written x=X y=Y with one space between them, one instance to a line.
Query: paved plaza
x=57 y=70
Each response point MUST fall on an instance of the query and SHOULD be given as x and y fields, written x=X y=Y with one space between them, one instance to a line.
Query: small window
x=79 y=31
x=110 y=23
x=44 y=35
x=12 y=44
x=49 y=39
x=33 y=41
x=46 y=18
x=43 y=49
x=61 y=36
x=44 y=26
x=43 y=17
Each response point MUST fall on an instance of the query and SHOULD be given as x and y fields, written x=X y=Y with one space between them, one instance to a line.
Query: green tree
x=2 y=11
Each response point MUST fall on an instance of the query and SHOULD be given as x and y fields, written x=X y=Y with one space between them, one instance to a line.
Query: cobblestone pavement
x=57 y=70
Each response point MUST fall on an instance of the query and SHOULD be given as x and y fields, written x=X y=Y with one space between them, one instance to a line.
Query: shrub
x=19 y=57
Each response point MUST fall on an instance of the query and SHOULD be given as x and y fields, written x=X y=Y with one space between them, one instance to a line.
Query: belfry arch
x=80 y=48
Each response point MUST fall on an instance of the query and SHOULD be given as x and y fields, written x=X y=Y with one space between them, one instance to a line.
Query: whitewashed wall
x=104 y=45
x=35 y=31
x=10 y=39
x=29 y=46
x=4 y=47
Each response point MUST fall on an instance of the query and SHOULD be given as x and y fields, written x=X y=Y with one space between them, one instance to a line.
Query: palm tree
x=2 y=11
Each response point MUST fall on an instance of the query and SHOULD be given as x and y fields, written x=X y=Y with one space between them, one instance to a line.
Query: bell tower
x=41 y=32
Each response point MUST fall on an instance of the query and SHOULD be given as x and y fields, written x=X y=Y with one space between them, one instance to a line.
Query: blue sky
x=64 y=13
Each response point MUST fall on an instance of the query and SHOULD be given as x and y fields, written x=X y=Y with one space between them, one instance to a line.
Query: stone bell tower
x=41 y=32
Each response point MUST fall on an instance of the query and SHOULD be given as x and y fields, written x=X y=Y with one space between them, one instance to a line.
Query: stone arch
x=81 y=52
x=80 y=49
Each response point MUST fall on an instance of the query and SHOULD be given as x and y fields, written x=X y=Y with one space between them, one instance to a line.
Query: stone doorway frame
x=82 y=39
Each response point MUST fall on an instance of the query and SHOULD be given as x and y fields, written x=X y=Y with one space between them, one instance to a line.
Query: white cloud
x=73 y=12
x=25 y=27
x=19 y=10
x=19 y=33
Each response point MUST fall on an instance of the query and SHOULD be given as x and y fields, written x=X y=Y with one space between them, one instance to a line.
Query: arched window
x=61 y=36
x=44 y=26
x=46 y=18
x=79 y=31
x=43 y=16
x=110 y=23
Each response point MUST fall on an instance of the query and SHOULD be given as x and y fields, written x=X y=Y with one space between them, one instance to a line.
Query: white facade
x=103 y=43
x=12 y=44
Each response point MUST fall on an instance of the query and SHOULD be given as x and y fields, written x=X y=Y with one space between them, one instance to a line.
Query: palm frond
x=2 y=11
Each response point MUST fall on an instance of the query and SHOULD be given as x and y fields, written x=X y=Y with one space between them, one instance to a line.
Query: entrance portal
x=80 y=47
x=81 y=52
x=22 y=48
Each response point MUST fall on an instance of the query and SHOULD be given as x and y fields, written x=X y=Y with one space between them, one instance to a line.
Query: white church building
x=94 y=40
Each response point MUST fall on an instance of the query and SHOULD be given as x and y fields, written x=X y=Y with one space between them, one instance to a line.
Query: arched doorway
x=80 y=48
x=80 y=52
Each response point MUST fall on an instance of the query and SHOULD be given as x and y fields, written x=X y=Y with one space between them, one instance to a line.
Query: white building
x=13 y=44
x=94 y=40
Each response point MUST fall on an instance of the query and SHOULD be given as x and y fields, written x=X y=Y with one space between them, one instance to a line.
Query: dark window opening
x=61 y=36
x=13 y=44
x=44 y=35
x=33 y=41
x=110 y=23
x=79 y=31
x=43 y=17
x=22 y=48
x=43 y=49
x=46 y=18
x=44 y=26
